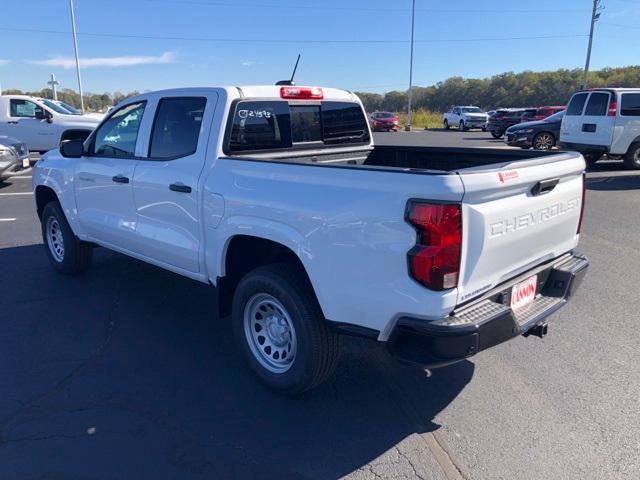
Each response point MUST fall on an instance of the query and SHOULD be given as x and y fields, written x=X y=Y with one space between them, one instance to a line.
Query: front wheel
x=66 y=252
x=281 y=330
x=632 y=157
x=544 y=141
x=446 y=124
x=496 y=134
x=462 y=126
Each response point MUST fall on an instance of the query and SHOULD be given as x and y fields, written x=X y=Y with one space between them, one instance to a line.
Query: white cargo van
x=604 y=120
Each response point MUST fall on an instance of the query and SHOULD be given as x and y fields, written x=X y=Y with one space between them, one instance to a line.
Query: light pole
x=75 y=47
x=413 y=18
x=595 y=15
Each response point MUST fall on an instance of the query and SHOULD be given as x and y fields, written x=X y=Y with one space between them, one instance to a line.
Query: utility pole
x=75 y=47
x=595 y=15
x=54 y=83
x=413 y=18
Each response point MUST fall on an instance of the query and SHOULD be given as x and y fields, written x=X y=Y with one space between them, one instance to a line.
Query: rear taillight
x=613 y=108
x=301 y=93
x=584 y=199
x=435 y=259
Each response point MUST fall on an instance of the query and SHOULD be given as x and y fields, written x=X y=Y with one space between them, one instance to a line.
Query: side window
x=24 y=108
x=597 y=104
x=176 y=127
x=117 y=136
x=630 y=105
x=576 y=104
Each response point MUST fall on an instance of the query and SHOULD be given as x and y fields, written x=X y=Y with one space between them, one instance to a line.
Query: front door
x=27 y=122
x=104 y=179
x=166 y=184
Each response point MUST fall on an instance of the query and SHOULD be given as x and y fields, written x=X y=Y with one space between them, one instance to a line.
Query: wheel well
x=44 y=195
x=74 y=135
x=246 y=253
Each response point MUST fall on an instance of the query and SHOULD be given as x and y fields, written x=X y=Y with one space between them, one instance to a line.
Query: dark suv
x=504 y=118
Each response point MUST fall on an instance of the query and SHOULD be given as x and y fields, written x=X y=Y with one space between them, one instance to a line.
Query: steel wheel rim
x=544 y=142
x=55 y=240
x=270 y=333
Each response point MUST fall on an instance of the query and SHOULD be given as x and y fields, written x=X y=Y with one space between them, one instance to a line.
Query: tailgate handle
x=544 y=186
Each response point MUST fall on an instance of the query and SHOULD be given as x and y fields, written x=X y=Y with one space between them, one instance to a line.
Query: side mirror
x=49 y=116
x=40 y=114
x=72 y=148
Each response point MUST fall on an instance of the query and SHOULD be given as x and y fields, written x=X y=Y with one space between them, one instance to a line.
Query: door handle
x=13 y=122
x=179 y=187
x=120 y=179
x=589 y=127
x=545 y=186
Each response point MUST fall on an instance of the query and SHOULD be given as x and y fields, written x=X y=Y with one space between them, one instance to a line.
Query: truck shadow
x=614 y=183
x=125 y=372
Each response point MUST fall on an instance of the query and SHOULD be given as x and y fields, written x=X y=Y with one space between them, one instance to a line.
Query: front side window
x=630 y=105
x=24 y=108
x=576 y=104
x=176 y=127
x=597 y=104
x=117 y=136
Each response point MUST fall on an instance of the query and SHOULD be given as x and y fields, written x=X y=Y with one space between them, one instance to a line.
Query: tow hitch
x=539 y=330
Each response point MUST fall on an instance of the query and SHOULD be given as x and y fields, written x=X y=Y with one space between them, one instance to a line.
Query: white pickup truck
x=41 y=126
x=278 y=198
x=465 y=117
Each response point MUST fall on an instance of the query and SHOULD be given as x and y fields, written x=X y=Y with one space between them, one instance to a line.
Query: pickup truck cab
x=41 y=127
x=604 y=121
x=278 y=197
x=465 y=117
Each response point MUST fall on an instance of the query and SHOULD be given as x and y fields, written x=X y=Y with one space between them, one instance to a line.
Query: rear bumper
x=490 y=321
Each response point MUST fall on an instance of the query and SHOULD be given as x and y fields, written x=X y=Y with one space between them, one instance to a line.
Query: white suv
x=604 y=120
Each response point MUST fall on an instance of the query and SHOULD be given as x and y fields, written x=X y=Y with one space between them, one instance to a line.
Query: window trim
x=92 y=137
x=153 y=128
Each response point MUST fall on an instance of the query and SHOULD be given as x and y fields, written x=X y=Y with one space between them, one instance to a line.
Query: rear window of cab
x=277 y=125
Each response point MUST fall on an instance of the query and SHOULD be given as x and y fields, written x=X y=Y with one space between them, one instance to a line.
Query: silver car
x=14 y=157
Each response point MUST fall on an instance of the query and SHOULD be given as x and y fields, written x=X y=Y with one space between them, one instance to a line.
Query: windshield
x=70 y=108
x=384 y=115
x=53 y=106
x=555 y=117
x=472 y=110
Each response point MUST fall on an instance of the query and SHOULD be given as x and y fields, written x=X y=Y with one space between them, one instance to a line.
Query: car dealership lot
x=125 y=372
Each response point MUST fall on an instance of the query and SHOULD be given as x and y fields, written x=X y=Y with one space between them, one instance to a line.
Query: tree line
x=95 y=102
x=526 y=89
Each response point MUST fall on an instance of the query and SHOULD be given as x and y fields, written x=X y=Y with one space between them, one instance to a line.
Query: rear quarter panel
x=345 y=224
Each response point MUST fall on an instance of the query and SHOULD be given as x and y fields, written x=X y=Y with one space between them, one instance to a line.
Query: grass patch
x=421 y=119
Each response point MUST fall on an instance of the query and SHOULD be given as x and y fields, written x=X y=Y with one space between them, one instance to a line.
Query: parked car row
x=14 y=157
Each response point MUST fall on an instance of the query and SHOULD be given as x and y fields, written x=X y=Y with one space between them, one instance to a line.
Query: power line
x=284 y=40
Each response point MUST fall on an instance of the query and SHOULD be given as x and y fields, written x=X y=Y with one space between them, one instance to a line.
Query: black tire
x=446 y=124
x=76 y=256
x=591 y=158
x=543 y=141
x=632 y=157
x=462 y=126
x=495 y=134
x=484 y=129
x=317 y=346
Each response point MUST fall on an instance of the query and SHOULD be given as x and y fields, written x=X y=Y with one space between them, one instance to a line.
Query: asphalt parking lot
x=125 y=372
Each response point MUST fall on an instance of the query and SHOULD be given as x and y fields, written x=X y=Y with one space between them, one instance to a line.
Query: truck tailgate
x=517 y=216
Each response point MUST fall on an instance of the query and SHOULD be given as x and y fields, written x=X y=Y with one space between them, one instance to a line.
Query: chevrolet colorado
x=278 y=197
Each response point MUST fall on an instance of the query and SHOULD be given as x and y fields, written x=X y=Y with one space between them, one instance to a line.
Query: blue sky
x=323 y=31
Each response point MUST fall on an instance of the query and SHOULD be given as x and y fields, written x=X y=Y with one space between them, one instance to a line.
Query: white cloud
x=3 y=62
x=248 y=63
x=125 y=61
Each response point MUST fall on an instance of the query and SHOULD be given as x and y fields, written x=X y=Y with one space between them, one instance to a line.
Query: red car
x=383 y=122
x=544 y=112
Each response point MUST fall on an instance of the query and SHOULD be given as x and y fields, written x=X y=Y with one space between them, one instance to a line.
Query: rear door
x=516 y=217
x=597 y=125
x=571 y=129
x=166 y=184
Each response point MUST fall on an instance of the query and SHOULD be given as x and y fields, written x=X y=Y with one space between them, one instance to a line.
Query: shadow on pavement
x=125 y=372
x=613 y=183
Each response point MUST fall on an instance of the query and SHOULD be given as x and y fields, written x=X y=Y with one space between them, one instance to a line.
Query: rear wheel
x=632 y=157
x=66 y=252
x=496 y=134
x=591 y=158
x=544 y=141
x=281 y=330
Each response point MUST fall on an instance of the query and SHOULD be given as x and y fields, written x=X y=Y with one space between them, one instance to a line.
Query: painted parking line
x=15 y=193
x=7 y=219
x=22 y=176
